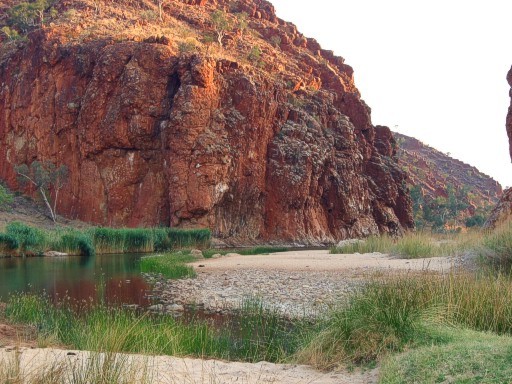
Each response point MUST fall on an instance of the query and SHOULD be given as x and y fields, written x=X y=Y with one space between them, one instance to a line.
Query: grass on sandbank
x=414 y=245
x=255 y=334
x=170 y=265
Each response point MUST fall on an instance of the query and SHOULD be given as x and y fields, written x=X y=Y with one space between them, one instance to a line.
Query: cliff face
x=503 y=210
x=509 y=115
x=278 y=148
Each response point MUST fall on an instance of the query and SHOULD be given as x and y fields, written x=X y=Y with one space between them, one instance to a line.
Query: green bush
x=26 y=15
x=8 y=242
x=475 y=221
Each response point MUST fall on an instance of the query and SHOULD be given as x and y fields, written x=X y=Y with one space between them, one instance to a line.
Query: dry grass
x=56 y=367
x=415 y=245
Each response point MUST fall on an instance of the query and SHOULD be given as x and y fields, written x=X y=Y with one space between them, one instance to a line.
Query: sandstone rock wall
x=157 y=137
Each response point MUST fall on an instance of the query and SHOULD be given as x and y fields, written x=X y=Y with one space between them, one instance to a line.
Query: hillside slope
x=436 y=178
x=263 y=137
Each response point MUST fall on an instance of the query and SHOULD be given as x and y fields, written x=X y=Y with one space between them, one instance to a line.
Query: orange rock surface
x=280 y=151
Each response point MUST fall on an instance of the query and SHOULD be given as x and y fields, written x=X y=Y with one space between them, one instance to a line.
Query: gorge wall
x=160 y=127
x=503 y=210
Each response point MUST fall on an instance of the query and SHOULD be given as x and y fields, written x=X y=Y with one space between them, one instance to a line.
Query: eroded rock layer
x=282 y=149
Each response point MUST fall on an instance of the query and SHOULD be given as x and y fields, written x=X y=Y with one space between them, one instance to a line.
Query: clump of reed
x=145 y=240
x=21 y=239
x=29 y=240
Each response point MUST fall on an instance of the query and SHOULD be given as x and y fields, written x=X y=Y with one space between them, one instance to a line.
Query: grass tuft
x=497 y=247
x=391 y=314
x=171 y=265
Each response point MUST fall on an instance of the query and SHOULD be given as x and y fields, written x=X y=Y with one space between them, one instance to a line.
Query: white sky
x=436 y=69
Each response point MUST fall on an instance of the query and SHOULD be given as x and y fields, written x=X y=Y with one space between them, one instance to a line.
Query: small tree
x=276 y=41
x=26 y=15
x=44 y=176
x=254 y=56
x=221 y=24
x=242 y=22
x=161 y=4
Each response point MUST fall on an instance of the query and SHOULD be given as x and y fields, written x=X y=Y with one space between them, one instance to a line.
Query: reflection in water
x=113 y=279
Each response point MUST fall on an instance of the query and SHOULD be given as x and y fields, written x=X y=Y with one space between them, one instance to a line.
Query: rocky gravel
x=296 y=283
x=292 y=294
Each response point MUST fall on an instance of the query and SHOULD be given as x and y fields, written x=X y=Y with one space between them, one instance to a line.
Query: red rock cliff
x=280 y=149
x=503 y=210
x=509 y=115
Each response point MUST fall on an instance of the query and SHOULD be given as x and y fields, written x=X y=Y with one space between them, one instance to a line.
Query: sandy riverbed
x=322 y=260
x=171 y=370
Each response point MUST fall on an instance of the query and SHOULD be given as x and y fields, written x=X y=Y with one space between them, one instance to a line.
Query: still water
x=112 y=278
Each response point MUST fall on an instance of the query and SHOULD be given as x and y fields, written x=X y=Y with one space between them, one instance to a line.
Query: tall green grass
x=497 y=247
x=391 y=314
x=171 y=265
x=255 y=334
x=20 y=239
x=29 y=239
x=145 y=240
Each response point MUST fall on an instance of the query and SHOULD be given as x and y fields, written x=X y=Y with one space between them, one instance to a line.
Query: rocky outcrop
x=434 y=172
x=509 y=115
x=279 y=150
x=503 y=210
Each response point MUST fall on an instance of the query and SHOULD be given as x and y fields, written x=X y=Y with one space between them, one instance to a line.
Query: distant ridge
x=435 y=172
